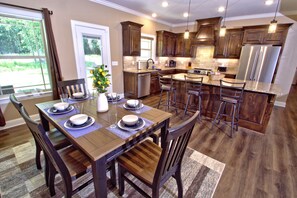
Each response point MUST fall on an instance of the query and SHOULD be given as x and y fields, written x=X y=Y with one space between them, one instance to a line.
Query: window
x=146 y=48
x=23 y=59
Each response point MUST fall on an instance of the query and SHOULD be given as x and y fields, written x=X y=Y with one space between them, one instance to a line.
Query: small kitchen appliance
x=172 y=63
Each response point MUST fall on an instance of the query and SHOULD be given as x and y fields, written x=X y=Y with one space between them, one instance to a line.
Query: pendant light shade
x=223 y=27
x=222 y=31
x=273 y=23
x=187 y=33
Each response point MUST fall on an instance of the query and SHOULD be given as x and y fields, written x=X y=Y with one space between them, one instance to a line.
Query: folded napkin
x=126 y=134
x=80 y=132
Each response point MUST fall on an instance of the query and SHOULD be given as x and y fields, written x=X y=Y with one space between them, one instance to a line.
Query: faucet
x=147 y=62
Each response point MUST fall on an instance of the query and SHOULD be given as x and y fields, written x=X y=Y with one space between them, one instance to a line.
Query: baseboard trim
x=18 y=122
x=280 y=104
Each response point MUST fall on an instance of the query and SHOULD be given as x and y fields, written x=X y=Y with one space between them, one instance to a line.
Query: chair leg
x=218 y=113
x=160 y=98
x=37 y=156
x=47 y=170
x=179 y=182
x=232 y=123
x=113 y=174
x=121 y=180
x=52 y=175
x=168 y=99
x=237 y=116
x=223 y=110
x=186 y=108
x=155 y=193
x=199 y=107
x=175 y=102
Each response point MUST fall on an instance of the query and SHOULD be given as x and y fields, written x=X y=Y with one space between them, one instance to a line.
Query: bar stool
x=193 y=88
x=166 y=84
x=230 y=93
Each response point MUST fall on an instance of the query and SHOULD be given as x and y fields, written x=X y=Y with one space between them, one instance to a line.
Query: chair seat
x=58 y=139
x=75 y=161
x=230 y=100
x=142 y=160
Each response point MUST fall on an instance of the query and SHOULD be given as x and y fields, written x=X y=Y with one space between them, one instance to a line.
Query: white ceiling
x=173 y=14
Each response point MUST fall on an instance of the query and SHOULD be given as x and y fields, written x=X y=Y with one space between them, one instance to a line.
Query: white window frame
x=153 y=37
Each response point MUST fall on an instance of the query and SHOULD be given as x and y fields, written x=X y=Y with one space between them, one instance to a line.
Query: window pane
x=145 y=54
x=25 y=75
x=20 y=37
x=145 y=44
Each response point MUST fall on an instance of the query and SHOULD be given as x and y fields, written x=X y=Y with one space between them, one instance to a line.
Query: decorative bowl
x=132 y=103
x=61 y=106
x=78 y=119
x=130 y=119
x=112 y=95
x=78 y=95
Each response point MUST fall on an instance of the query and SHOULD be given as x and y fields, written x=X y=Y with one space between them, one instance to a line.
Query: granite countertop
x=253 y=86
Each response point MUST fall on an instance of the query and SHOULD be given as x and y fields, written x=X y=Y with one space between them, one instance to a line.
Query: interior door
x=92 y=48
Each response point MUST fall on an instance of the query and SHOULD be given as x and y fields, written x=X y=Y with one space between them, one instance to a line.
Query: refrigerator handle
x=254 y=66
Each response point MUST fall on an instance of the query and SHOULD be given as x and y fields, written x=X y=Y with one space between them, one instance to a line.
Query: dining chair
x=56 y=137
x=193 y=85
x=72 y=86
x=73 y=166
x=153 y=165
x=230 y=93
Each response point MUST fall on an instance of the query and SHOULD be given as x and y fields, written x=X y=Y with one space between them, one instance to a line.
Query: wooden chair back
x=232 y=90
x=193 y=83
x=51 y=154
x=175 y=145
x=72 y=86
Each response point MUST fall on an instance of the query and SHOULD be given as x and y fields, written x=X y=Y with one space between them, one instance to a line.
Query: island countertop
x=254 y=86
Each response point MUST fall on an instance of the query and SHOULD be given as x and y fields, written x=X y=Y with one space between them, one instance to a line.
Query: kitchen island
x=255 y=111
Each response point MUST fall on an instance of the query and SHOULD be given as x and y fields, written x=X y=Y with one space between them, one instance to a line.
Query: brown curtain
x=53 y=54
x=2 y=119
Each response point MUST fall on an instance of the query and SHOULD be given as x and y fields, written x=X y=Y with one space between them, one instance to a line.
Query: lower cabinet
x=130 y=85
x=155 y=85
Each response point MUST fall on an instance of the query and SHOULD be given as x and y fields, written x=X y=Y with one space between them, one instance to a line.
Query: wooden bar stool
x=193 y=88
x=166 y=84
x=230 y=93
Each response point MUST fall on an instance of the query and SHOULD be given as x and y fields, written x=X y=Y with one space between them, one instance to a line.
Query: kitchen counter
x=255 y=110
x=253 y=86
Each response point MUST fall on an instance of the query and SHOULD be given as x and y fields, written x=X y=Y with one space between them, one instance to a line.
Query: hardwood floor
x=256 y=165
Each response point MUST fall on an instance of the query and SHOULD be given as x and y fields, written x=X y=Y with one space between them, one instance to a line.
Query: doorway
x=92 y=48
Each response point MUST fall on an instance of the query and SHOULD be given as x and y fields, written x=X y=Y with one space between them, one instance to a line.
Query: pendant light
x=223 y=27
x=273 y=23
x=187 y=33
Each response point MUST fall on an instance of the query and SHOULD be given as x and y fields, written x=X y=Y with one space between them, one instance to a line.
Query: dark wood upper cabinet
x=184 y=47
x=165 y=43
x=206 y=30
x=260 y=35
x=228 y=46
x=131 y=38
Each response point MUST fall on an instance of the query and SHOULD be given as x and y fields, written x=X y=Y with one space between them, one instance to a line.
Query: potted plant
x=101 y=83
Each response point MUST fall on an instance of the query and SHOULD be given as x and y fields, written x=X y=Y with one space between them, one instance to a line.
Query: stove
x=200 y=71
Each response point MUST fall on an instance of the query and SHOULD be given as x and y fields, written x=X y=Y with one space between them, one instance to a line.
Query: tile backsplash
x=204 y=59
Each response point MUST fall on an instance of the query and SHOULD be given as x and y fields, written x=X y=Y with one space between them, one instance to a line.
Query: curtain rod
x=17 y=6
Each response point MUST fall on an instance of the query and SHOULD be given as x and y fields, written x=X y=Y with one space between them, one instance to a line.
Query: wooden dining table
x=101 y=145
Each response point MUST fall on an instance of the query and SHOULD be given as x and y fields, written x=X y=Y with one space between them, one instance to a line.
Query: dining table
x=99 y=142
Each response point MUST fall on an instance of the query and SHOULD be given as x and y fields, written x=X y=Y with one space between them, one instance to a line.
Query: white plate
x=139 y=125
x=71 y=126
x=132 y=108
x=55 y=111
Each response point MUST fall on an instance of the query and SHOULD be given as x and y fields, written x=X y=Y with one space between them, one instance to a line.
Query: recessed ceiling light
x=154 y=15
x=221 y=9
x=164 y=4
x=268 y=2
x=185 y=14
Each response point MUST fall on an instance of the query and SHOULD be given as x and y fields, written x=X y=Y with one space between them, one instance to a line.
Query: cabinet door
x=234 y=44
x=135 y=36
x=253 y=36
x=130 y=85
x=220 y=46
x=277 y=38
x=180 y=45
x=171 y=45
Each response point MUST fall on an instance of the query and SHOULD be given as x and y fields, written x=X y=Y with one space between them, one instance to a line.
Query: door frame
x=74 y=24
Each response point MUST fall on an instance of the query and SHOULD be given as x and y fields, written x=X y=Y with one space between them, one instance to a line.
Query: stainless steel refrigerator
x=258 y=62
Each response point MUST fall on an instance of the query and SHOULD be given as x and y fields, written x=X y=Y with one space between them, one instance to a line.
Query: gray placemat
x=81 y=132
x=59 y=116
x=126 y=134
x=142 y=110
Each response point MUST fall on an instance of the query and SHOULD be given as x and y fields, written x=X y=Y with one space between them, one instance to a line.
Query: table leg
x=44 y=121
x=164 y=131
x=99 y=177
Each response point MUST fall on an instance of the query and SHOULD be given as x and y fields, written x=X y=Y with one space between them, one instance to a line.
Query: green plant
x=100 y=78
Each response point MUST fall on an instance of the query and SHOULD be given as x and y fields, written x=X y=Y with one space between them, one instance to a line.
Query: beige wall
x=85 y=11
